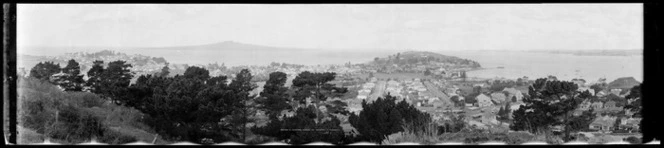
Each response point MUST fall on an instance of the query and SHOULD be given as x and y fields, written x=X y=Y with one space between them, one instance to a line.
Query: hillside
x=40 y=104
x=623 y=83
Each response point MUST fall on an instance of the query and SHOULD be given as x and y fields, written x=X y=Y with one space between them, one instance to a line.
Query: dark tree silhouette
x=73 y=80
x=114 y=81
x=384 y=117
x=192 y=107
x=274 y=98
x=94 y=76
x=550 y=103
x=45 y=70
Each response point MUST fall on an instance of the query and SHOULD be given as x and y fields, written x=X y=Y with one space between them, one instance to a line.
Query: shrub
x=85 y=99
x=633 y=140
x=429 y=135
x=75 y=126
x=114 y=137
x=70 y=117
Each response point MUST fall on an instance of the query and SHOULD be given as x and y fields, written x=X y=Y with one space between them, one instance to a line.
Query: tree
x=598 y=87
x=73 y=80
x=114 y=81
x=551 y=103
x=274 y=98
x=384 y=117
x=582 y=122
x=309 y=93
x=315 y=86
x=241 y=87
x=196 y=73
x=94 y=76
x=503 y=113
x=634 y=99
x=514 y=98
x=44 y=71
x=191 y=107
x=164 y=71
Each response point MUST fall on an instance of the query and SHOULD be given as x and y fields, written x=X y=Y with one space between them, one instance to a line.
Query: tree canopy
x=45 y=70
x=550 y=103
x=72 y=80
x=192 y=107
x=384 y=116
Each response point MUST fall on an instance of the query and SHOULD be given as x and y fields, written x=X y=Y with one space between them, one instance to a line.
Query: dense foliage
x=384 y=117
x=73 y=79
x=314 y=103
x=45 y=70
x=65 y=116
x=189 y=107
x=550 y=103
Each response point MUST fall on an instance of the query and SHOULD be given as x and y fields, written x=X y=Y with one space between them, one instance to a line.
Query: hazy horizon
x=427 y=27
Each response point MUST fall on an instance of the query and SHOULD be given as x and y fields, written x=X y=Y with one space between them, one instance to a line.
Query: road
x=377 y=91
x=433 y=89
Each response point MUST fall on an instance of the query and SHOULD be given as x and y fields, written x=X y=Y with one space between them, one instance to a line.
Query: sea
x=513 y=64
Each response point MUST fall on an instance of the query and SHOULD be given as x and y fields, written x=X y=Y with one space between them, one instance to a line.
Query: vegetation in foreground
x=199 y=108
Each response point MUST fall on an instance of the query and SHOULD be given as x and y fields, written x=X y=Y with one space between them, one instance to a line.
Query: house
x=616 y=91
x=513 y=92
x=591 y=91
x=603 y=123
x=479 y=84
x=368 y=85
x=516 y=106
x=601 y=93
x=498 y=97
x=483 y=100
x=630 y=124
x=585 y=105
x=597 y=105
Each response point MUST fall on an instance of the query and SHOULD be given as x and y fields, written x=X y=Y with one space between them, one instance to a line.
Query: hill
x=47 y=112
x=410 y=61
x=623 y=83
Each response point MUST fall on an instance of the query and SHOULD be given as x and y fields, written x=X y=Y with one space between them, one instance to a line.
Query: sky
x=338 y=26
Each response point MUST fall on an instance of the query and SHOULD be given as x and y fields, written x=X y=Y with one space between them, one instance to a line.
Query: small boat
x=500 y=67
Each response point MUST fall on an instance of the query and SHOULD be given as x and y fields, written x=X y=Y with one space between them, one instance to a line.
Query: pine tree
x=73 y=80
x=550 y=103
x=384 y=117
x=241 y=87
x=94 y=76
x=274 y=99
x=45 y=70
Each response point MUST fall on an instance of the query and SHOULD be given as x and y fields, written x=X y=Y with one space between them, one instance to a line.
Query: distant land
x=623 y=52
